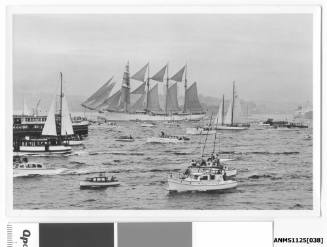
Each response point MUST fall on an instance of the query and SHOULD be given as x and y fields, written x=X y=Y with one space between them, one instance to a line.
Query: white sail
x=219 y=119
x=237 y=113
x=140 y=75
x=101 y=98
x=228 y=117
x=96 y=95
x=159 y=76
x=139 y=105
x=192 y=103
x=49 y=128
x=112 y=103
x=172 y=102
x=140 y=89
x=153 y=101
x=66 y=122
x=179 y=75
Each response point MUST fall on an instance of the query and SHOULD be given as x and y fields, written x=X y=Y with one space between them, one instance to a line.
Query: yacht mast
x=233 y=103
x=60 y=109
x=223 y=111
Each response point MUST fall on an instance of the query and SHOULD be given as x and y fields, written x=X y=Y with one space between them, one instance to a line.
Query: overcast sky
x=269 y=56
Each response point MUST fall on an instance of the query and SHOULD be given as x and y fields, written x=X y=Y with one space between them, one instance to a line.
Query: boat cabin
x=101 y=179
x=204 y=177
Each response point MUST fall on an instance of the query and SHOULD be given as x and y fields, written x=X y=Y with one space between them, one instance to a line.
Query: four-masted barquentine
x=143 y=102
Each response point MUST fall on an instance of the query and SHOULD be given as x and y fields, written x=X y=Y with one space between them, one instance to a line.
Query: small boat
x=100 y=181
x=200 y=131
x=31 y=169
x=125 y=139
x=148 y=125
x=202 y=181
x=164 y=140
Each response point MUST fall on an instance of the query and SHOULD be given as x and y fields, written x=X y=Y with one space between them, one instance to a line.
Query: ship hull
x=181 y=185
x=122 y=116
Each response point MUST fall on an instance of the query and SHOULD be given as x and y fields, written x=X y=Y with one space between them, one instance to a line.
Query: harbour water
x=274 y=165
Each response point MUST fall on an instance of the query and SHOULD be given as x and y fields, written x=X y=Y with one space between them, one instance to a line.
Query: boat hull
x=74 y=143
x=163 y=140
x=33 y=172
x=225 y=127
x=43 y=149
x=124 y=140
x=121 y=116
x=199 y=131
x=180 y=185
x=94 y=185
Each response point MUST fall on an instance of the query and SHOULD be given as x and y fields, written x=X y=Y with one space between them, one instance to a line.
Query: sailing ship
x=53 y=139
x=142 y=104
x=232 y=119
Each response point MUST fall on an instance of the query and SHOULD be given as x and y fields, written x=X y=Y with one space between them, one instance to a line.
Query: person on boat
x=162 y=135
x=187 y=172
x=203 y=162
x=130 y=137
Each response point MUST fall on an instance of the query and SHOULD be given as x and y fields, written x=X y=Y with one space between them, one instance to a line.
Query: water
x=275 y=171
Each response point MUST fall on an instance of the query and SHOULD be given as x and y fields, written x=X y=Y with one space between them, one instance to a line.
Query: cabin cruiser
x=100 y=181
x=200 y=181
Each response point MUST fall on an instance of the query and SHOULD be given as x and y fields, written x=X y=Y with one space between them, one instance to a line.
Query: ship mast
x=223 y=111
x=60 y=109
x=185 y=87
x=232 y=119
x=148 y=89
x=126 y=90
x=167 y=85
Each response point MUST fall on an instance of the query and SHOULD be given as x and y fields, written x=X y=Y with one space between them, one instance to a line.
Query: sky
x=269 y=56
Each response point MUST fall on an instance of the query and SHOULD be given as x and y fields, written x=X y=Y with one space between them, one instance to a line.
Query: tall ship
x=143 y=103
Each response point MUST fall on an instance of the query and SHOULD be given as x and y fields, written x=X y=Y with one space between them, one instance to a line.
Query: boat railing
x=177 y=175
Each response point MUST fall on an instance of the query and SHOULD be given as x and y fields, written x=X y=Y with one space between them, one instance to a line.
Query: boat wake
x=261 y=153
x=44 y=173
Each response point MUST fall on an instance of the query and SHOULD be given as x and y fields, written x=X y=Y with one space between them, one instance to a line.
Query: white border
x=167 y=215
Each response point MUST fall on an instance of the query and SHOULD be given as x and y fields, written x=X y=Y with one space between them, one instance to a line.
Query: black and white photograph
x=164 y=111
